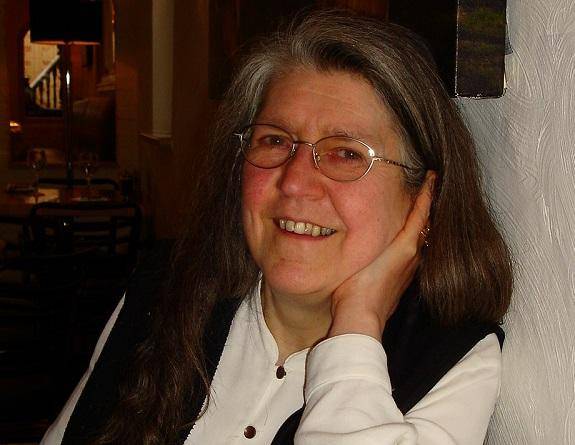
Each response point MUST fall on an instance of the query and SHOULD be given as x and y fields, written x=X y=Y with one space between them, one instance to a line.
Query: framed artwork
x=466 y=37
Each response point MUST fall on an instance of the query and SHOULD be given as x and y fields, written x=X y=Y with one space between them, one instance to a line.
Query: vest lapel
x=216 y=334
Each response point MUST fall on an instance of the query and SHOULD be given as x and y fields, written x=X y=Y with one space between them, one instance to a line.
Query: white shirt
x=346 y=386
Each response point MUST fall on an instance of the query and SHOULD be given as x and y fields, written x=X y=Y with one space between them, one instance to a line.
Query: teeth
x=304 y=228
x=299 y=228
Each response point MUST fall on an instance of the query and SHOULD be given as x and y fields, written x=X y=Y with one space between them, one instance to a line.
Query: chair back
x=99 y=183
x=107 y=228
x=11 y=233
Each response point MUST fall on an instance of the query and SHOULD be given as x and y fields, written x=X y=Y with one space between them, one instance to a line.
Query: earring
x=424 y=234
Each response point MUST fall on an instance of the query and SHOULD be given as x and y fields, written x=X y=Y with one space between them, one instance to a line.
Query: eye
x=348 y=154
x=343 y=155
x=274 y=140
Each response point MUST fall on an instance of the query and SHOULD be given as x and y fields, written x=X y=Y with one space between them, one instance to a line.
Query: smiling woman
x=346 y=290
x=363 y=216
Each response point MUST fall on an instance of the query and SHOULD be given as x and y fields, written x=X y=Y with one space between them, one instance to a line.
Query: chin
x=299 y=282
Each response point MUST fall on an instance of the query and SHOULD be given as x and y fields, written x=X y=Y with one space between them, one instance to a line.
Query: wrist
x=356 y=322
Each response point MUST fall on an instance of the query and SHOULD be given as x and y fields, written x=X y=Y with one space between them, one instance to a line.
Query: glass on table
x=36 y=160
x=88 y=161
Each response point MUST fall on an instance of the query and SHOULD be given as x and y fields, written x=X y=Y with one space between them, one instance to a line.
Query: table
x=15 y=207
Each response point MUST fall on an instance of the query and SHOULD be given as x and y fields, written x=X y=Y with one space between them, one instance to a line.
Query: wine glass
x=88 y=162
x=36 y=160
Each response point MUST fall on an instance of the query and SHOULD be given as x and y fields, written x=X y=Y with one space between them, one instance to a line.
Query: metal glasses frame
x=315 y=155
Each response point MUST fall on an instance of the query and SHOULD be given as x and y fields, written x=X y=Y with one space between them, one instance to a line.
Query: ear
x=428 y=185
x=429 y=182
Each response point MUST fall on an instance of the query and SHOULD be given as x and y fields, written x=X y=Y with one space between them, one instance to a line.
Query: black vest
x=419 y=352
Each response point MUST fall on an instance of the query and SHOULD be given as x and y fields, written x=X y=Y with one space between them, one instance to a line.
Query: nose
x=300 y=176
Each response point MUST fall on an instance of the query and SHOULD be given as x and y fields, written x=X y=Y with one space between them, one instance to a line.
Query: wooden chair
x=12 y=231
x=110 y=232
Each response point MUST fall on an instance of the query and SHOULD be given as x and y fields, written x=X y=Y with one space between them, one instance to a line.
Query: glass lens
x=266 y=146
x=342 y=158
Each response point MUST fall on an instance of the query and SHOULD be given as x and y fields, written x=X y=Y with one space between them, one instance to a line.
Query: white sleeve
x=55 y=433
x=348 y=397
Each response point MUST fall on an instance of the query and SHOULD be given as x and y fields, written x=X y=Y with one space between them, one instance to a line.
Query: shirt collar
x=262 y=338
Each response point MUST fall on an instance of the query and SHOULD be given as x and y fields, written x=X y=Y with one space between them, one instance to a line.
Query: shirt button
x=280 y=372
x=249 y=432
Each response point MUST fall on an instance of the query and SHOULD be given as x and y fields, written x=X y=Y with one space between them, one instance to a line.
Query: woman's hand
x=363 y=303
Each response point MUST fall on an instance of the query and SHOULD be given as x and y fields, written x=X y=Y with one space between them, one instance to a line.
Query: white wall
x=527 y=146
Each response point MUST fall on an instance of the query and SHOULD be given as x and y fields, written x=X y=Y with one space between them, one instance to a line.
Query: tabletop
x=17 y=206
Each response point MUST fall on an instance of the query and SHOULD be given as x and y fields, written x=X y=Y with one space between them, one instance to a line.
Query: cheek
x=253 y=186
x=257 y=192
x=372 y=222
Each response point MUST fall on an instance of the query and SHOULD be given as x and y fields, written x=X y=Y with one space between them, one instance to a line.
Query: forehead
x=325 y=103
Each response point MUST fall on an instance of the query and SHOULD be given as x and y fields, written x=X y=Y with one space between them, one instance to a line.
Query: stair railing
x=45 y=88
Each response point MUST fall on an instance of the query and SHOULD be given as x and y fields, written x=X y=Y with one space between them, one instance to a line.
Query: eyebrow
x=332 y=131
x=349 y=134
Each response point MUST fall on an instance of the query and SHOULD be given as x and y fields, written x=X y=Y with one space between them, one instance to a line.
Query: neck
x=296 y=322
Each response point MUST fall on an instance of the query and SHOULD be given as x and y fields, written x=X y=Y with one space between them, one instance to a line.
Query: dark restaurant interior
x=105 y=107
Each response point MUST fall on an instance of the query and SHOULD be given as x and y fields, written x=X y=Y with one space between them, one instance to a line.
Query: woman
x=341 y=280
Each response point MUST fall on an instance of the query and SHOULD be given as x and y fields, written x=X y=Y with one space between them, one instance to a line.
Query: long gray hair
x=466 y=272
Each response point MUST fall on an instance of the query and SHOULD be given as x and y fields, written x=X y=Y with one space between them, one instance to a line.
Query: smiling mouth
x=305 y=228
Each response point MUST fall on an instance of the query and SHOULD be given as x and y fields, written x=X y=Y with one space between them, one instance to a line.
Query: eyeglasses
x=340 y=158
